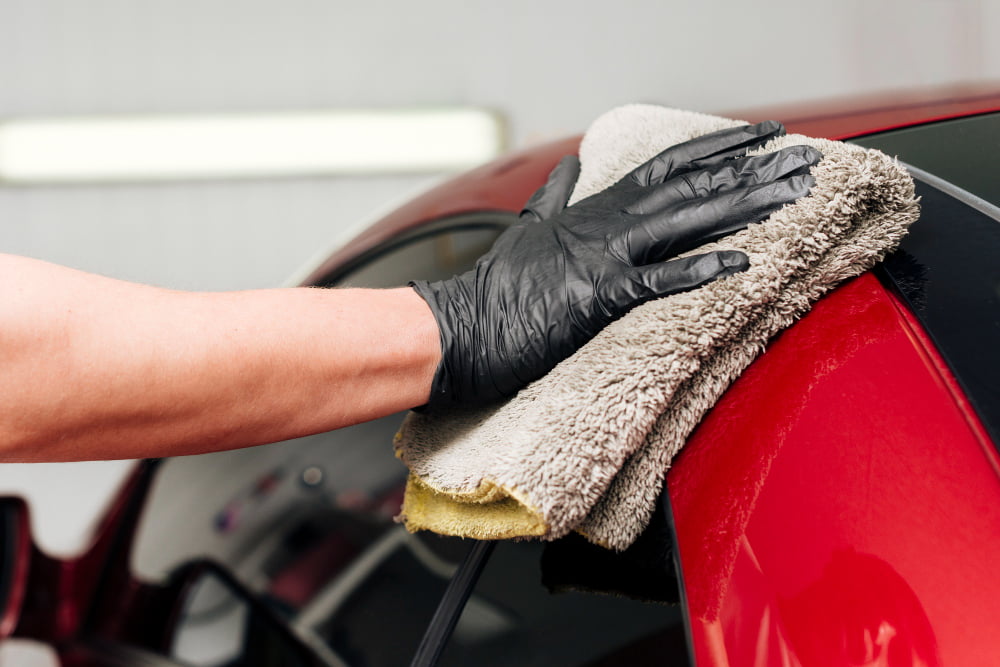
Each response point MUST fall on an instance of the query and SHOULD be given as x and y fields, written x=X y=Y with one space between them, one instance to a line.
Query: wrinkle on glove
x=586 y=447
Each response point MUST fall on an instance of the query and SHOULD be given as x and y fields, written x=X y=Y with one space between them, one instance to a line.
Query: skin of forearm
x=96 y=368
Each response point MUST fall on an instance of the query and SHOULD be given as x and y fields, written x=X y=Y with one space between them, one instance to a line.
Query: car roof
x=851 y=116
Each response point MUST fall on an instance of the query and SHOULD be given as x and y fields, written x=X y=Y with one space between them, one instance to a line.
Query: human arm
x=96 y=368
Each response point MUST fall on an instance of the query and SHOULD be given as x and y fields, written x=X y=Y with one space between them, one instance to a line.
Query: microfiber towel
x=586 y=447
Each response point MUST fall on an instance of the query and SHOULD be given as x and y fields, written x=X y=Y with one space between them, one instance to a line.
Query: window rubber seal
x=946 y=273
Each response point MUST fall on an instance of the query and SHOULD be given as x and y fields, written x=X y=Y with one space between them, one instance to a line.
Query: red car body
x=839 y=506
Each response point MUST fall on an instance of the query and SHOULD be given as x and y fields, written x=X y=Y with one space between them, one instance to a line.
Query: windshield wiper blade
x=452 y=602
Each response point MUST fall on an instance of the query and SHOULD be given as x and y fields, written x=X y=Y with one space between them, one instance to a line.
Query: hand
x=560 y=275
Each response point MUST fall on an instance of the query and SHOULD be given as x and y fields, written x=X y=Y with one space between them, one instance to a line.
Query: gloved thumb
x=687 y=273
x=552 y=197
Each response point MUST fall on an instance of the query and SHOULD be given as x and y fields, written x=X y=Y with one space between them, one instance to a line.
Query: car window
x=963 y=151
x=946 y=268
x=512 y=619
x=378 y=616
x=434 y=256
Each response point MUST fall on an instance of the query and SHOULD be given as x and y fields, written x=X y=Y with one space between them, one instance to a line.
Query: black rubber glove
x=559 y=276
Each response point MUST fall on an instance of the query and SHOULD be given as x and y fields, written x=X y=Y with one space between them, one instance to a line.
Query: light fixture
x=183 y=147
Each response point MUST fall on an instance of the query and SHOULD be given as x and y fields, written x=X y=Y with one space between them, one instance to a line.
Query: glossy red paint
x=865 y=114
x=505 y=183
x=838 y=506
x=61 y=594
x=21 y=562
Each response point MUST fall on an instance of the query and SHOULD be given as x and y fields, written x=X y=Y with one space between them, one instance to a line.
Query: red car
x=839 y=506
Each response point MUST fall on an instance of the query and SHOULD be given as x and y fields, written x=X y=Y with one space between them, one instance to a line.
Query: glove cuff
x=457 y=378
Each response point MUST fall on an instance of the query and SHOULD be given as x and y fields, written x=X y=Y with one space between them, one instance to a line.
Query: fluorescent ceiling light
x=143 y=148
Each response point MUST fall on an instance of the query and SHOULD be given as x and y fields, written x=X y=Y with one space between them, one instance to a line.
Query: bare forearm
x=98 y=368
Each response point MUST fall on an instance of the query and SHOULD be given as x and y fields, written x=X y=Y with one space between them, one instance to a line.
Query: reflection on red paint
x=838 y=502
x=859 y=612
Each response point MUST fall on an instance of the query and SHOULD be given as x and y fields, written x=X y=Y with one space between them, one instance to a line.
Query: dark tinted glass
x=947 y=268
x=511 y=619
x=381 y=616
x=964 y=152
x=947 y=271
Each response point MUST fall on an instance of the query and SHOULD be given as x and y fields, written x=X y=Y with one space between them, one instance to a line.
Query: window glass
x=379 y=617
x=965 y=151
x=433 y=257
x=946 y=268
x=512 y=619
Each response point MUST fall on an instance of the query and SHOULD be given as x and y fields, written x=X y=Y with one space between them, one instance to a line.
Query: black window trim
x=449 y=609
x=963 y=348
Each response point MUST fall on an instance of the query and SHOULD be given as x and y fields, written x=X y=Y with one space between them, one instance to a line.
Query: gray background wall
x=548 y=67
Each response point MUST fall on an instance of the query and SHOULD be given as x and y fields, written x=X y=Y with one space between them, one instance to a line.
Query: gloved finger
x=552 y=197
x=663 y=235
x=705 y=151
x=680 y=275
x=731 y=175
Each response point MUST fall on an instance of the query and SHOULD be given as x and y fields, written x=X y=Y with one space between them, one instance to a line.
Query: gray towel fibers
x=586 y=447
